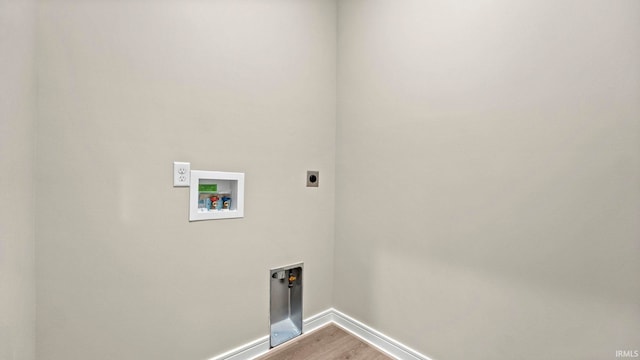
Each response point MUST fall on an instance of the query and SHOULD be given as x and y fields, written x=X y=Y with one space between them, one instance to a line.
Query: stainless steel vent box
x=285 y=305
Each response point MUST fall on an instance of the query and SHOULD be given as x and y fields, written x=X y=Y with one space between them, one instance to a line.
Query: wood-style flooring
x=327 y=343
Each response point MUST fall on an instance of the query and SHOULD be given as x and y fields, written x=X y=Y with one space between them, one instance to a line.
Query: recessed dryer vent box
x=216 y=195
x=285 y=304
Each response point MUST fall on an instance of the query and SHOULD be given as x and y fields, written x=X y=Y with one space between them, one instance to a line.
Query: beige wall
x=488 y=172
x=488 y=161
x=126 y=88
x=17 y=111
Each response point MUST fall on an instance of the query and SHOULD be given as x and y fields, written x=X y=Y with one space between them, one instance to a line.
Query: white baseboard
x=261 y=346
x=317 y=321
x=375 y=338
x=246 y=351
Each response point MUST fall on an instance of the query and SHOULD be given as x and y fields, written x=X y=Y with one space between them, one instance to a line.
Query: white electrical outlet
x=181 y=173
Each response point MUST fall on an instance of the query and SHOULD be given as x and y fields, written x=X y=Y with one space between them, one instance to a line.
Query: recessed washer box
x=216 y=195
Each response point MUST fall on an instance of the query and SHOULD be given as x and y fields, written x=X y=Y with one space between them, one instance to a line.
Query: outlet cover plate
x=181 y=173
x=313 y=178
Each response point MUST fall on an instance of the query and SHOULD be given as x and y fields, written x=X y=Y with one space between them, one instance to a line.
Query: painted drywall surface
x=17 y=111
x=126 y=88
x=488 y=163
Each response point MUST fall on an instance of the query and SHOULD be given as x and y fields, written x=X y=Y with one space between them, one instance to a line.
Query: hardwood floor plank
x=327 y=343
